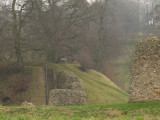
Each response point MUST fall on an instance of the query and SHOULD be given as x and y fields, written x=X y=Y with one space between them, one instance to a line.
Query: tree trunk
x=18 y=53
x=17 y=28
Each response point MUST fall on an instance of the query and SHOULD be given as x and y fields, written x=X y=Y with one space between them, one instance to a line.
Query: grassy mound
x=99 y=89
x=15 y=87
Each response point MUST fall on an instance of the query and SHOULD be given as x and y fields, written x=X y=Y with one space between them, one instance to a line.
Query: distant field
x=123 y=72
x=123 y=64
x=141 y=111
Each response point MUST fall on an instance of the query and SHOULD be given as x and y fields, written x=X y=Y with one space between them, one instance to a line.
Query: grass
x=138 y=111
x=99 y=89
x=123 y=64
x=123 y=72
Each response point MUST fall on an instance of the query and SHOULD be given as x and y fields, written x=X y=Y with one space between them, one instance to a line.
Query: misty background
x=99 y=35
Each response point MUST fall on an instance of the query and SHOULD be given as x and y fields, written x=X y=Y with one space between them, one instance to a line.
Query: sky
x=90 y=1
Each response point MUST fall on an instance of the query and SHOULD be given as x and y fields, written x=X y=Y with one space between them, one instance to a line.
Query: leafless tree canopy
x=45 y=30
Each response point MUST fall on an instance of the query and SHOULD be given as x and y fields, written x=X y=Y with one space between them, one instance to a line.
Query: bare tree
x=6 y=49
x=19 y=17
x=62 y=25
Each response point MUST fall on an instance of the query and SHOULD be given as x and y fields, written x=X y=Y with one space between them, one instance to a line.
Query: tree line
x=44 y=30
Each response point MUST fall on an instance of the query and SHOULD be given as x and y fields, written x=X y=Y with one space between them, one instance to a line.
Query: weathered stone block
x=69 y=91
x=66 y=97
x=68 y=80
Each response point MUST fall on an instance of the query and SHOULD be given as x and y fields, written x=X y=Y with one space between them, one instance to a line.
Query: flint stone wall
x=66 y=97
x=69 y=91
x=145 y=84
x=68 y=80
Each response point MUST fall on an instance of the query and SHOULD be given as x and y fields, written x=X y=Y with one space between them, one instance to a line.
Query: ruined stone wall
x=145 y=84
x=68 y=91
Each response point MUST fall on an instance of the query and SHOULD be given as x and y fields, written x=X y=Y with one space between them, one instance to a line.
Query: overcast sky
x=90 y=1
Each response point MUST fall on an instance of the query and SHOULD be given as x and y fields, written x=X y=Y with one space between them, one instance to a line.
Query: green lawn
x=140 y=111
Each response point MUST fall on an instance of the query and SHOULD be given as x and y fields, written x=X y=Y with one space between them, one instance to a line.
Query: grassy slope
x=122 y=64
x=141 y=111
x=123 y=72
x=37 y=88
x=99 y=89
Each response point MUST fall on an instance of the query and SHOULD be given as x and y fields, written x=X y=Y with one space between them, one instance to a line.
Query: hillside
x=30 y=86
x=99 y=88
x=17 y=87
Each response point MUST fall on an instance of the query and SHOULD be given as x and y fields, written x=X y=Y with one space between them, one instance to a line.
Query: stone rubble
x=69 y=91
x=27 y=104
x=145 y=84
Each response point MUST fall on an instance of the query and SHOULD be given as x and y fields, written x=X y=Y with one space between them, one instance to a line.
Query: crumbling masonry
x=145 y=84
